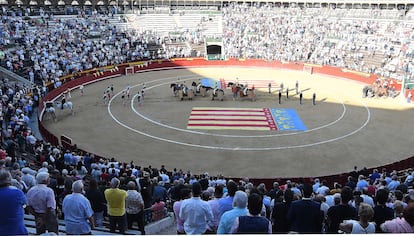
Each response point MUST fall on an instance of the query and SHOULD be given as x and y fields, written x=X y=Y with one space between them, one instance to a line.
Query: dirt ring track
x=343 y=129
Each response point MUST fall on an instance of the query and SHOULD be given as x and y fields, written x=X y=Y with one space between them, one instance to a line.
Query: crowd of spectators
x=320 y=36
x=117 y=193
x=47 y=47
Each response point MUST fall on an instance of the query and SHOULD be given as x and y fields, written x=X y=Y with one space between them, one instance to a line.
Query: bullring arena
x=342 y=129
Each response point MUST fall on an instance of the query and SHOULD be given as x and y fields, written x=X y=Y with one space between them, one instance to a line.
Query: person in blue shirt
x=12 y=202
x=239 y=209
x=78 y=211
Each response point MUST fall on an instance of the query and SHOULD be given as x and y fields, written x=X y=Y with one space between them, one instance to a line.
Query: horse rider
x=63 y=102
x=246 y=88
x=184 y=88
x=67 y=94
x=194 y=85
x=215 y=91
x=198 y=87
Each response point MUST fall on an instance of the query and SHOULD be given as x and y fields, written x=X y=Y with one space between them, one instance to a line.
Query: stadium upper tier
x=375 y=40
x=145 y=3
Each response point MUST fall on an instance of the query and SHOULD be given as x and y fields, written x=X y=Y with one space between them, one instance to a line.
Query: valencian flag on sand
x=260 y=119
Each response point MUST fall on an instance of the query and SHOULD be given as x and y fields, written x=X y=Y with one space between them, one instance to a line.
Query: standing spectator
x=214 y=205
x=146 y=192
x=280 y=212
x=159 y=191
x=78 y=211
x=185 y=193
x=382 y=213
x=272 y=192
x=226 y=203
x=363 y=226
x=344 y=211
x=97 y=200
x=305 y=215
x=42 y=204
x=239 y=209
x=195 y=212
x=134 y=207
x=12 y=201
x=253 y=223
x=374 y=176
x=116 y=206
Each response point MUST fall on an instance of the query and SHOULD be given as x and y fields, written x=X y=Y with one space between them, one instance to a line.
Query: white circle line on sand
x=229 y=135
x=232 y=148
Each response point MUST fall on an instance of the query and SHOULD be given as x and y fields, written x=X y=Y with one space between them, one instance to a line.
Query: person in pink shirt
x=404 y=224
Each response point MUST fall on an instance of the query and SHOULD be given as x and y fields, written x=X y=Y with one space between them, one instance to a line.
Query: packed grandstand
x=54 y=44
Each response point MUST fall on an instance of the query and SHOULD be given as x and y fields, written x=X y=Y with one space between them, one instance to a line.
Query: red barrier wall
x=92 y=76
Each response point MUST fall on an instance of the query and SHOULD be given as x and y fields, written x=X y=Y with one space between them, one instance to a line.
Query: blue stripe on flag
x=287 y=119
x=207 y=82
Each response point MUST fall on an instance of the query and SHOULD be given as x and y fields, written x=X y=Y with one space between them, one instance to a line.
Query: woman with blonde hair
x=363 y=226
x=404 y=224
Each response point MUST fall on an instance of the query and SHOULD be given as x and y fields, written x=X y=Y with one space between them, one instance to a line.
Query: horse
x=49 y=111
x=66 y=106
x=183 y=91
x=219 y=94
x=243 y=91
x=174 y=88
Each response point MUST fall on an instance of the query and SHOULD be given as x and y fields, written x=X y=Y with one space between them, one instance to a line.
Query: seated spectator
x=158 y=210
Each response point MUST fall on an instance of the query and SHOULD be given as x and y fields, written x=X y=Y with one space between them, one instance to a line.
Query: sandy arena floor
x=343 y=129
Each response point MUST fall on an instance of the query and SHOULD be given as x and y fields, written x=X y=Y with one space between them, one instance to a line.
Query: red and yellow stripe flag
x=214 y=118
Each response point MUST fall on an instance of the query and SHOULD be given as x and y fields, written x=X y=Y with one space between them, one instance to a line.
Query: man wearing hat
x=42 y=204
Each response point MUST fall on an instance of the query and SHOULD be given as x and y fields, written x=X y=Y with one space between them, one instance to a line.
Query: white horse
x=49 y=111
x=66 y=106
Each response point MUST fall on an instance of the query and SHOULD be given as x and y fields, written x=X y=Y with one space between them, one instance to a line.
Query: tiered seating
x=161 y=23
x=120 y=23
